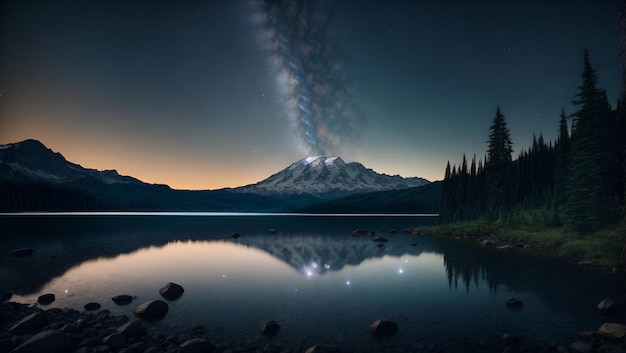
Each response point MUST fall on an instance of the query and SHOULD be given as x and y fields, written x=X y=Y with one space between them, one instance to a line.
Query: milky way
x=304 y=55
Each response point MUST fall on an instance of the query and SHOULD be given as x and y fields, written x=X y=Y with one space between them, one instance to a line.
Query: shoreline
x=585 y=252
x=28 y=328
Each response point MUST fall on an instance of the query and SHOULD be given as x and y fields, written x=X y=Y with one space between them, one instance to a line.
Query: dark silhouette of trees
x=577 y=181
x=498 y=167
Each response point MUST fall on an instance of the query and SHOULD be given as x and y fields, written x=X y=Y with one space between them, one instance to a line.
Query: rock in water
x=171 y=291
x=45 y=341
x=152 y=310
x=514 y=303
x=270 y=328
x=382 y=328
x=92 y=306
x=606 y=306
x=122 y=299
x=22 y=252
x=46 y=299
x=381 y=240
x=235 y=235
x=613 y=330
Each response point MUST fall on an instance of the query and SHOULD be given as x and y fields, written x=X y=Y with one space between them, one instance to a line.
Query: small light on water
x=66 y=291
x=223 y=276
x=347 y=283
x=400 y=271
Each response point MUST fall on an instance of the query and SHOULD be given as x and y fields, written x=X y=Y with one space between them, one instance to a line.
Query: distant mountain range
x=34 y=178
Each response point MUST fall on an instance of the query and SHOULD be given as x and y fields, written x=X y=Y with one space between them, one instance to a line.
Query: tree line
x=577 y=181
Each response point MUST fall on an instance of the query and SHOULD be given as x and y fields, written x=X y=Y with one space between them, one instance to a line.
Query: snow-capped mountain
x=30 y=160
x=329 y=176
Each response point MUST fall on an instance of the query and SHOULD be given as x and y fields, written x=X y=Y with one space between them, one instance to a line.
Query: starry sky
x=213 y=94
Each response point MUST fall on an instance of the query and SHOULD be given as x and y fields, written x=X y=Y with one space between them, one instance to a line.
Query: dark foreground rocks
x=29 y=328
x=152 y=310
x=382 y=328
x=270 y=328
x=172 y=291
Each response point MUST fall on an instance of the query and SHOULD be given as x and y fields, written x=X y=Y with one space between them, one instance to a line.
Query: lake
x=308 y=273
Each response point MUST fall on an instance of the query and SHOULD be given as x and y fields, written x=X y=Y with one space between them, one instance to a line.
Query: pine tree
x=591 y=185
x=498 y=167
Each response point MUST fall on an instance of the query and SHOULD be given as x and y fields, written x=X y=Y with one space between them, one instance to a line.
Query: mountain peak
x=324 y=176
x=316 y=160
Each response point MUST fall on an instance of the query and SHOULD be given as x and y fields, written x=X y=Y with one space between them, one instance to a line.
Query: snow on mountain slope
x=331 y=176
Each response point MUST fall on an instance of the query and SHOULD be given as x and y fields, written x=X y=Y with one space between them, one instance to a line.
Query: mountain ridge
x=33 y=177
x=325 y=177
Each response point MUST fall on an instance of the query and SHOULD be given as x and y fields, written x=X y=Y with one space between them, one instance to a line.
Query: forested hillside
x=576 y=181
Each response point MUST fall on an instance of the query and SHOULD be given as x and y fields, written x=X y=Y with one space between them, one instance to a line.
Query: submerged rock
x=606 y=306
x=514 y=303
x=23 y=252
x=152 y=310
x=171 y=291
x=381 y=240
x=359 y=232
x=270 y=328
x=235 y=235
x=509 y=339
x=381 y=328
x=46 y=299
x=122 y=299
x=580 y=347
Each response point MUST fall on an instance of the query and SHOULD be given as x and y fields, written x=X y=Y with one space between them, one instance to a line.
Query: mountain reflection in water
x=317 y=280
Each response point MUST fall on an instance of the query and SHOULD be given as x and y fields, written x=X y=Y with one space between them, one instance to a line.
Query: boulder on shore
x=23 y=252
x=606 y=306
x=30 y=323
x=45 y=341
x=381 y=328
x=612 y=330
x=171 y=291
x=152 y=310
x=270 y=328
x=122 y=299
x=46 y=299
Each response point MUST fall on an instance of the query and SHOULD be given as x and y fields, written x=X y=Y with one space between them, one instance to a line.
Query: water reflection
x=320 y=282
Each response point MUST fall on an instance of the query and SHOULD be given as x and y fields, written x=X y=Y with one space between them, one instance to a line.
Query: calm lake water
x=320 y=283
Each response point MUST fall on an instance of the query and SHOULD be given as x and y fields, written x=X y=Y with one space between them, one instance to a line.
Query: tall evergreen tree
x=498 y=167
x=590 y=186
x=563 y=149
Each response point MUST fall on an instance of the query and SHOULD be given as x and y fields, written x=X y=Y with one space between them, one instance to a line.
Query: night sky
x=212 y=94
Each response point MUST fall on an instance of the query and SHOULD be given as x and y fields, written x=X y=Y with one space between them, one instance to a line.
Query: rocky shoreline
x=28 y=328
